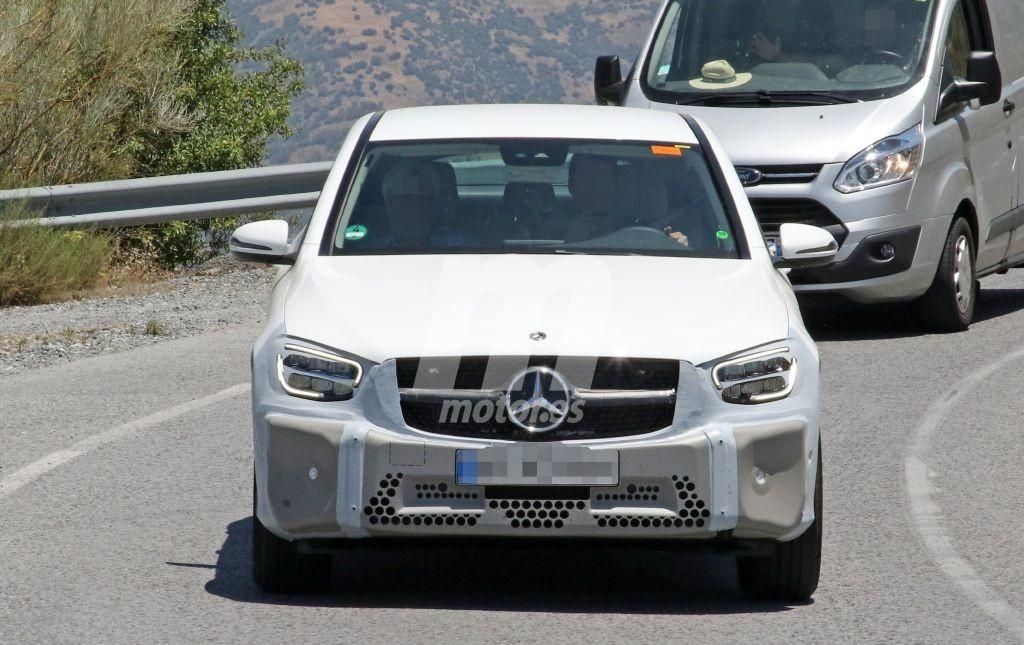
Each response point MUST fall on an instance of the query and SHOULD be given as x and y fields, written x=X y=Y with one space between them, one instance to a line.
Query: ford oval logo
x=750 y=176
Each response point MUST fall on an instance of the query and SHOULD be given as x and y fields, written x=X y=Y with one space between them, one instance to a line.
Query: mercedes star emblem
x=538 y=400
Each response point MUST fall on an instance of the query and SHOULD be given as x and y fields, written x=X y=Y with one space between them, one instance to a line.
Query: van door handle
x=1008 y=107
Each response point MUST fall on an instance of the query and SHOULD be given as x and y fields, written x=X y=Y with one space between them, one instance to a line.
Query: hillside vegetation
x=364 y=55
x=103 y=89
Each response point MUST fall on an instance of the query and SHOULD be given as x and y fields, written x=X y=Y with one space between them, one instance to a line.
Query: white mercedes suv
x=535 y=321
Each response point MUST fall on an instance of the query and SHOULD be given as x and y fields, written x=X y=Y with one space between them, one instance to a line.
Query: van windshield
x=788 y=52
x=536 y=196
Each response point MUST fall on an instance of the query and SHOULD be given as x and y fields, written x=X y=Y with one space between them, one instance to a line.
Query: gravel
x=218 y=295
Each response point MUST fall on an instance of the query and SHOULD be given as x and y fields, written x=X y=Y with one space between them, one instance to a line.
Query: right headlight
x=756 y=378
x=887 y=162
x=317 y=375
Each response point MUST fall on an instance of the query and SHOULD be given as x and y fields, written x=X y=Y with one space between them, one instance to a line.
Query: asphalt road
x=125 y=510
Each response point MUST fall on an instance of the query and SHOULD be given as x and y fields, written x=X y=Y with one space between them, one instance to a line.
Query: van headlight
x=887 y=162
x=317 y=375
x=756 y=378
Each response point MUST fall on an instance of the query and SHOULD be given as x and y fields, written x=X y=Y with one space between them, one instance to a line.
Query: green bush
x=179 y=244
x=237 y=98
x=94 y=89
x=41 y=264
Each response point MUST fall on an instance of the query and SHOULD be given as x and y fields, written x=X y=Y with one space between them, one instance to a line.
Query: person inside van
x=884 y=51
x=798 y=32
x=880 y=25
x=892 y=27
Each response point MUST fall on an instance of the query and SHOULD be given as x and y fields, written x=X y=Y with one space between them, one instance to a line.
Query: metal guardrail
x=133 y=202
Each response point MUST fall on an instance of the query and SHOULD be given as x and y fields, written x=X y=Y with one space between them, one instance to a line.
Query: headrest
x=411 y=179
x=653 y=200
x=447 y=183
x=589 y=171
x=593 y=181
x=526 y=192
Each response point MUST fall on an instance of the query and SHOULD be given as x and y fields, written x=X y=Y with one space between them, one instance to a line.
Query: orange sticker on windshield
x=667 y=151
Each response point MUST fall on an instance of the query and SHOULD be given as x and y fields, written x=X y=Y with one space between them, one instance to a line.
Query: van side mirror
x=265 y=242
x=608 y=85
x=982 y=67
x=984 y=83
x=804 y=246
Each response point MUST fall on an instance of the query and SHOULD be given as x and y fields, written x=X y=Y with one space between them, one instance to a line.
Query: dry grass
x=12 y=343
x=155 y=328
x=41 y=264
x=82 y=87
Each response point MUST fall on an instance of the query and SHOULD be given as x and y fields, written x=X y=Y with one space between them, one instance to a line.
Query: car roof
x=532 y=122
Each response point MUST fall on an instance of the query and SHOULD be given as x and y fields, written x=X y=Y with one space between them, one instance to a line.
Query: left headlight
x=756 y=378
x=887 y=162
x=317 y=375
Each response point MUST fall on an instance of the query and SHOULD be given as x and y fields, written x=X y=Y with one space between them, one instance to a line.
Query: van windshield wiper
x=764 y=97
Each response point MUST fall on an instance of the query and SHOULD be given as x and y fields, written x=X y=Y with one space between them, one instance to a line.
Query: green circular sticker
x=356 y=232
x=723 y=235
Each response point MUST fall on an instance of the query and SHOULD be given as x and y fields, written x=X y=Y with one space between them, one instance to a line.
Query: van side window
x=958 y=42
x=969 y=30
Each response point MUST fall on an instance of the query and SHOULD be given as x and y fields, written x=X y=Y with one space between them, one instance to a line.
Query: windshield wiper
x=830 y=97
x=764 y=97
x=630 y=254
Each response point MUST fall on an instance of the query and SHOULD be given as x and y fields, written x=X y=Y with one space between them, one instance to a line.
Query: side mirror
x=984 y=83
x=804 y=245
x=265 y=242
x=608 y=85
x=982 y=67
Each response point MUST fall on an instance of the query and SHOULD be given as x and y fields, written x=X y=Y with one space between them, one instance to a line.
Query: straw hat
x=719 y=74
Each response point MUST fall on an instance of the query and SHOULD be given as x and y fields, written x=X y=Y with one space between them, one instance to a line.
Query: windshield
x=835 y=50
x=535 y=196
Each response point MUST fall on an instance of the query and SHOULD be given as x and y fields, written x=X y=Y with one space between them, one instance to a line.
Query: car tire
x=949 y=304
x=790 y=573
x=279 y=567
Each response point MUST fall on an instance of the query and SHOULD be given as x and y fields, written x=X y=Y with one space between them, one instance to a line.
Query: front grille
x=604 y=373
x=792 y=174
x=608 y=388
x=773 y=212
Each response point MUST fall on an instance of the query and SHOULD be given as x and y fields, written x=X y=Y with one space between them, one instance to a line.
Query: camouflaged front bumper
x=329 y=479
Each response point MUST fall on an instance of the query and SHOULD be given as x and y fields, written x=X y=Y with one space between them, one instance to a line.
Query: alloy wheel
x=963 y=274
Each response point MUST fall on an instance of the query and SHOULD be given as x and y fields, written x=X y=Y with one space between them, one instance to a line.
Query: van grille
x=788 y=174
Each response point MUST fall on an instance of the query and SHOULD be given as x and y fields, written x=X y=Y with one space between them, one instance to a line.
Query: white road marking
x=927 y=514
x=36 y=469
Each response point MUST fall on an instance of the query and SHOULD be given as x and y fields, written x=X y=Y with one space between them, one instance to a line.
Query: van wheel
x=277 y=565
x=791 y=572
x=948 y=306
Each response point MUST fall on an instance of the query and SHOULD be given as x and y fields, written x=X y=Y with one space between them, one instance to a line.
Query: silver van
x=894 y=124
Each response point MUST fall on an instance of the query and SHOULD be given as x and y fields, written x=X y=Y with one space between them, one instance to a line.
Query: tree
x=93 y=90
x=236 y=98
x=80 y=83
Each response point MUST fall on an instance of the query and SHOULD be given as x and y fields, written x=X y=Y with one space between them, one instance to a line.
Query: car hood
x=406 y=306
x=803 y=135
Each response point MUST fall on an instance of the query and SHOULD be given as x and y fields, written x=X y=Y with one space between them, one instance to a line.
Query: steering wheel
x=898 y=59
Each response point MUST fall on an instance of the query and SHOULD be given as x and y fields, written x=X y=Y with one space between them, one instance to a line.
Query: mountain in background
x=366 y=55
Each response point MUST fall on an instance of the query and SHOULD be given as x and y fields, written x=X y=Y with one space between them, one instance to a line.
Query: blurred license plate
x=537 y=466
